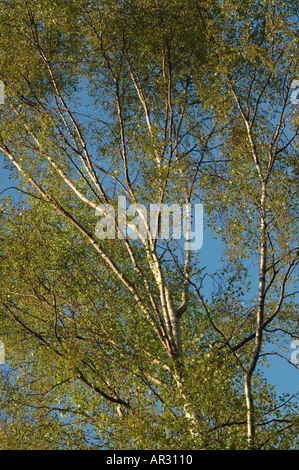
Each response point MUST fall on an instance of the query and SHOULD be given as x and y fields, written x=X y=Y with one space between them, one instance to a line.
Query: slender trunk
x=191 y=412
x=259 y=323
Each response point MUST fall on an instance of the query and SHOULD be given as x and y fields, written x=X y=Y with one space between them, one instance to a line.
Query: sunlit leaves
x=174 y=101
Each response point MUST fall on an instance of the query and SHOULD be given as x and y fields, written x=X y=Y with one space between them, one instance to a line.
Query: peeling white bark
x=259 y=322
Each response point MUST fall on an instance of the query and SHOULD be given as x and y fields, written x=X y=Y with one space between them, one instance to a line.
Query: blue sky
x=284 y=376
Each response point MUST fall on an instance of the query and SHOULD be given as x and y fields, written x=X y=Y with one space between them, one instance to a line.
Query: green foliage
x=123 y=344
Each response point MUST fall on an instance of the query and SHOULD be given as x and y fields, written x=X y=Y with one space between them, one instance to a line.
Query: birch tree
x=183 y=103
